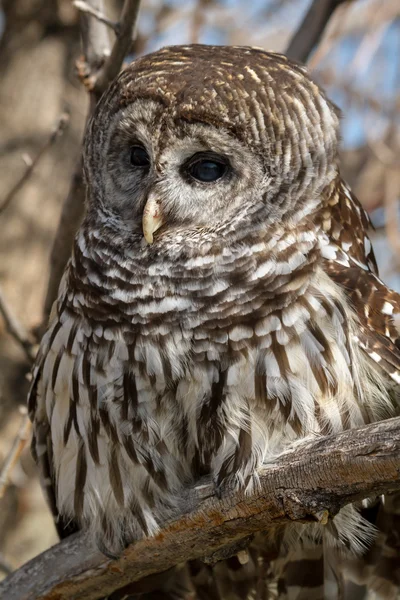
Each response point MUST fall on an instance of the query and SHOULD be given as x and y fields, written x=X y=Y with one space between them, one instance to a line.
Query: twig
x=97 y=14
x=56 y=133
x=16 y=329
x=16 y=450
x=311 y=29
x=317 y=478
x=126 y=27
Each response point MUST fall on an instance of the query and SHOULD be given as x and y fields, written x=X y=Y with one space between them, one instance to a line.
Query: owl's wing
x=353 y=266
x=41 y=449
x=41 y=445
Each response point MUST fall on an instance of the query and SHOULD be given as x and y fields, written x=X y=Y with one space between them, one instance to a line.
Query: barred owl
x=221 y=303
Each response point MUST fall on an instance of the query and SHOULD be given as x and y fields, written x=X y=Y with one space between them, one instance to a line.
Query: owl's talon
x=223 y=487
x=218 y=490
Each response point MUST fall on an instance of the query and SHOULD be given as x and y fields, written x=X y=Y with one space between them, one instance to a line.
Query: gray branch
x=55 y=134
x=95 y=40
x=16 y=329
x=311 y=29
x=90 y=10
x=126 y=28
x=308 y=484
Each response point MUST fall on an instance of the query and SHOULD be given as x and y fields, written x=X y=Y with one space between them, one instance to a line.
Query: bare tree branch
x=97 y=14
x=55 y=134
x=311 y=29
x=16 y=329
x=16 y=450
x=95 y=40
x=309 y=484
x=126 y=27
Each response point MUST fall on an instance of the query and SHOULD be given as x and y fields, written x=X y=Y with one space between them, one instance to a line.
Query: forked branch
x=32 y=162
x=308 y=484
x=96 y=13
x=121 y=47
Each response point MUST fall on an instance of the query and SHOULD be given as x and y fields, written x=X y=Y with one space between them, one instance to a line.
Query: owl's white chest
x=141 y=420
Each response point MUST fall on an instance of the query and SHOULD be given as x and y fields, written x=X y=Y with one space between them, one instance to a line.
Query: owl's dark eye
x=206 y=167
x=139 y=157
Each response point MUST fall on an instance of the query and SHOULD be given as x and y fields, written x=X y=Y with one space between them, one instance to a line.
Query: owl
x=221 y=303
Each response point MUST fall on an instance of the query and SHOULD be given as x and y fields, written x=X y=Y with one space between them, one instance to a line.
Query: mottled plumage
x=222 y=302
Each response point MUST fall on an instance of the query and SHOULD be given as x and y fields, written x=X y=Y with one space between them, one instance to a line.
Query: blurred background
x=357 y=61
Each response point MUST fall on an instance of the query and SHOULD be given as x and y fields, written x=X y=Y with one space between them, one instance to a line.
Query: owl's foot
x=230 y=484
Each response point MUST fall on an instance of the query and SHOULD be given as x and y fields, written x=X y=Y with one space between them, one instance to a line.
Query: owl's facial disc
x=166 y=177
x=152 y=217
x=202 y=167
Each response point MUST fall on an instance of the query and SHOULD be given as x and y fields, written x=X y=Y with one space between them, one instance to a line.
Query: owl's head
x=199 y=137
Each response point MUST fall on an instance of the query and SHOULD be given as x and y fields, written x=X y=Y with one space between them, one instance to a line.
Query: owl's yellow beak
x=152 y=218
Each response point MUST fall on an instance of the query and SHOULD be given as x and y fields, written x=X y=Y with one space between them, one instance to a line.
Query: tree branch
x=311 y=29
x=55 y=134
x=16 y=450
x=97 y=14
x=126 y=27
x=16 y=329
x=308 y=484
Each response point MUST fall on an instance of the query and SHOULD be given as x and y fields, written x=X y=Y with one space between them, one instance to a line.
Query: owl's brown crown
x=262 y=97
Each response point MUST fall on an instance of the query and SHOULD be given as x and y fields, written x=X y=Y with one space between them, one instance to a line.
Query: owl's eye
x=207 y=167
x=139 y=157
